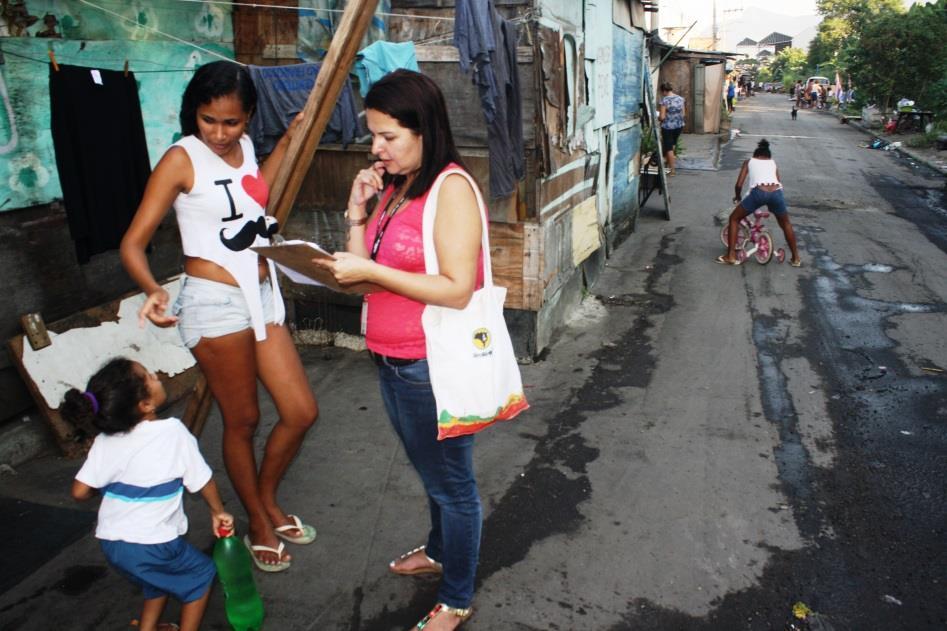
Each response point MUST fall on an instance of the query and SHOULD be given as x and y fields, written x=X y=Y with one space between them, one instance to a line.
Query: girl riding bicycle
x=765 y=190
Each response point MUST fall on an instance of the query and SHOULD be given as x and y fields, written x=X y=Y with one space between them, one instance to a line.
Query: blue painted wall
x=629 y=74
x=626 y=66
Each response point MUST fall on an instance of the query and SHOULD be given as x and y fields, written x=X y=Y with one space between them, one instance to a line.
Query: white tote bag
x=474 y=373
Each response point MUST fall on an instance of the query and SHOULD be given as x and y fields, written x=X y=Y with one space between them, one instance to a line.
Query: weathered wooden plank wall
x=266 y=37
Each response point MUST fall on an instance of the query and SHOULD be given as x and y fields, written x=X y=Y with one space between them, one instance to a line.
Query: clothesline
x=87 y=59
x=255 y=5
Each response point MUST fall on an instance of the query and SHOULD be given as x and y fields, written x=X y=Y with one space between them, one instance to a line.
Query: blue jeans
x=446 y=470
x=773 y=200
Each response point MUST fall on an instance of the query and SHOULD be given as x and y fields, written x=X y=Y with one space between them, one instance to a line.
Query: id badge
x=363 y=325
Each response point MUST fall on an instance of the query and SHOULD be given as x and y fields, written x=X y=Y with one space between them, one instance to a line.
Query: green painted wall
x=119 y=19
x=162 y=68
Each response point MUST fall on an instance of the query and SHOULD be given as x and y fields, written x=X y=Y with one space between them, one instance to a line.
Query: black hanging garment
x=101 y=153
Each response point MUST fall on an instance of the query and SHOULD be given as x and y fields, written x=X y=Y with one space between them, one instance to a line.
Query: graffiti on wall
x=82 y=35
x=135 y=19
x=317 y=22
x=27 y=160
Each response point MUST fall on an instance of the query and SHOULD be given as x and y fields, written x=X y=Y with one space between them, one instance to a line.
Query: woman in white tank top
x=766 y=189
x=229 y=310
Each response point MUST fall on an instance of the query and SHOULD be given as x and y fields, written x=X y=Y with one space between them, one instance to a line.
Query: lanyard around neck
x=384 y=220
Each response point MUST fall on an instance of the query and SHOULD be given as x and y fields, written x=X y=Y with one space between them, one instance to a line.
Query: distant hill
x=757 y=23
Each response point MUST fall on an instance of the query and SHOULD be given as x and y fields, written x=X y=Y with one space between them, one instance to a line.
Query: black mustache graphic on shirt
x=248 y=234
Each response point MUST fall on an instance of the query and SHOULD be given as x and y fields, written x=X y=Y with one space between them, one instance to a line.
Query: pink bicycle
x=754 y=240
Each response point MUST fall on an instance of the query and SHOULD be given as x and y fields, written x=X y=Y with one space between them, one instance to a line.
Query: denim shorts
x=176 y=567
x=773 y=200
x=206 y=308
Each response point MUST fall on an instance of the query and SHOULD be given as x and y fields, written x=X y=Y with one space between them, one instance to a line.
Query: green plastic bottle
x=235 y=568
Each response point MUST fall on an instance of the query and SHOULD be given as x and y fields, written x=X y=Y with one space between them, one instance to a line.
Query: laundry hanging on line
x=282 y=92
x=101 y=153
x=487 y=46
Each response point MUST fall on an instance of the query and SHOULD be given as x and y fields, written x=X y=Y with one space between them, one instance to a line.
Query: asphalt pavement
x=707 y=445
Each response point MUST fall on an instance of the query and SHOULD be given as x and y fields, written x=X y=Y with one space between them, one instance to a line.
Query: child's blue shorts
x=773 y=200
x=174 y=568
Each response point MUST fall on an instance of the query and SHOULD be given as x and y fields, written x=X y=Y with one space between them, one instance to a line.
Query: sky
x=672 y=11
x=684 y=12
x=702 y=10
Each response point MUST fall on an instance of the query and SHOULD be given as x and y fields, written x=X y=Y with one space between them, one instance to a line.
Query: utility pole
x=726 y=17
x=713 y=46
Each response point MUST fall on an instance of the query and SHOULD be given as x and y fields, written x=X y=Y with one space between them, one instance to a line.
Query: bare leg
x=282 y=373
x=229 y=364
x=670 y=158
x=151 y=612
x=784 y=223
x=733 y=224
x=192 y=612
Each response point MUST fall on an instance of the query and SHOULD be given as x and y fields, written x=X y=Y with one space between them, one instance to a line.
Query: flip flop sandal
x=439 y=608
x=433 y=568
x=308 y=532
x=267 y=567
x=723 y=261
x=796 y=263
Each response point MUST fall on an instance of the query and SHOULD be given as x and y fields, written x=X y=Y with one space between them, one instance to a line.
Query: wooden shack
x=581 y=77
x=699 y=76
x=581 y=69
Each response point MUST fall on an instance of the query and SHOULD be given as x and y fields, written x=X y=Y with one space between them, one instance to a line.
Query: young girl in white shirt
x=141 y=465
x=766 y=189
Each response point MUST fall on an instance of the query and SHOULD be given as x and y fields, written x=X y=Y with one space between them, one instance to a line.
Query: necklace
x=386 y=215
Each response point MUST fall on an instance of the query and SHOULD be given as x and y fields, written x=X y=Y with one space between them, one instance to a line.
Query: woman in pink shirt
x=412 y=140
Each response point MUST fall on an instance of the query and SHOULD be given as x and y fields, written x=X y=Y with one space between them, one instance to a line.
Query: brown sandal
x=463 y=614
x=433 y=566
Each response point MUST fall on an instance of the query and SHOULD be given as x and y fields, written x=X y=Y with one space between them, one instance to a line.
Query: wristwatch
x=354 y=222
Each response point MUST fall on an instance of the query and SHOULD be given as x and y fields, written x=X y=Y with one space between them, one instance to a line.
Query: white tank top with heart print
x=223 y=215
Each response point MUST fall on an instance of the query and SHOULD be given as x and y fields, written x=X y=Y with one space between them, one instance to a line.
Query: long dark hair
x=762 y=150
x=416 y=102
x=110 y=401
x=213 y=80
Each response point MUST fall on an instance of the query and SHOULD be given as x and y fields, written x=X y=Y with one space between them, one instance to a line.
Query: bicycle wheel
x=742 y=235
x=764 y=248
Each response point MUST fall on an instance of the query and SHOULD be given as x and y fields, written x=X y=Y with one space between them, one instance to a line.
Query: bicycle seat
x=762 y=214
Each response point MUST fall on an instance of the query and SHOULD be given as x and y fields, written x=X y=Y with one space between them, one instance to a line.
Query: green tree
x=842 y=22
x=788 y=61
x=853 y=11
x=831 y=37
x=901 y=55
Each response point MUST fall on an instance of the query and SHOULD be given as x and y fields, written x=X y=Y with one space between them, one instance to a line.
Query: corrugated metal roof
x=775 y=38
x=747 y=42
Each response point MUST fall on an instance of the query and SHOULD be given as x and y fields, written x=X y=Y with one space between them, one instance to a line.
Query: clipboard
x=294 y=258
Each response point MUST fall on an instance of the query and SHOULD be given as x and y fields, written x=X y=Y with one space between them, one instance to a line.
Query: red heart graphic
x=256 y=188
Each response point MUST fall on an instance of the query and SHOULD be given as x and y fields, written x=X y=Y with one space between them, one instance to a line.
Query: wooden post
x=335 y=69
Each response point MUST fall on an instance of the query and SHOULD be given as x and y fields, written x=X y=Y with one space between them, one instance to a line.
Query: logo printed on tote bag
x=481 y=338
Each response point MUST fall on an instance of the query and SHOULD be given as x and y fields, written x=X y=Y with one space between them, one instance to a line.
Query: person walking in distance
x=671 y=115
